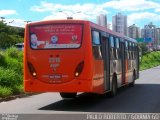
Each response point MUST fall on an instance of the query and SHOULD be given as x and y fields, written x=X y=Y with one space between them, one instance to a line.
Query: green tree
x=143 y=48
x=9 y=35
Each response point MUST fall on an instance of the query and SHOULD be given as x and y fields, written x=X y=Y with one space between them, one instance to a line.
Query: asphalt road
x=144 y=97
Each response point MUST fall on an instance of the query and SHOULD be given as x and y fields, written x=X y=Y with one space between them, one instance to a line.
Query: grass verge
x=150 y=60
x=11 y=75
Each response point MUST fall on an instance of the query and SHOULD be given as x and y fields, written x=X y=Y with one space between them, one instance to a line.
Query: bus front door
x=105 y=54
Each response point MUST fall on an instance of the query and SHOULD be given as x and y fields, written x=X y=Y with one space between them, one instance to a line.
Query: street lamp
x=9 y=22
x=6 y=21
x=69 y=17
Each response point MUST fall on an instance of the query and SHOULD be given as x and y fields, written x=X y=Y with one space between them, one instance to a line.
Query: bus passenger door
x=105 y=55
x=123 y=61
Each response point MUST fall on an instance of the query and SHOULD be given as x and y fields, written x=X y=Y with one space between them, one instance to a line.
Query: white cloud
x=131 y=5
x=135 y=17
x=64 y=15
x=122 y=5
x=7 y=12
x=88 y=11
x=91 y=10
x=44 y=6
x=157 y=9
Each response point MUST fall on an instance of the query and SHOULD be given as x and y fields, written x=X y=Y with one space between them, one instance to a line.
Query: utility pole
x=27 y=21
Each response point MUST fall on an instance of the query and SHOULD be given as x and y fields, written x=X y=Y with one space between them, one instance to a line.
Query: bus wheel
x=114 y=87
x=68 y=95
x=133 y=82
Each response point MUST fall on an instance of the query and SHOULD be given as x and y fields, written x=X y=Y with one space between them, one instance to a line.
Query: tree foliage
x=143 y=48
x=9 y=35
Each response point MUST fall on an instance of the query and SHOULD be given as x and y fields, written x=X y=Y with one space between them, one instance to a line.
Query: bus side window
x=117 y=44
x=130 y=50
x=111 y=41
x=126 y=49
x=96 y=38
x=136 y=51
x=96 y=45
x=112 y=53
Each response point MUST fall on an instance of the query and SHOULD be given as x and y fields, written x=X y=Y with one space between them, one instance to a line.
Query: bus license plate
x=55 y=76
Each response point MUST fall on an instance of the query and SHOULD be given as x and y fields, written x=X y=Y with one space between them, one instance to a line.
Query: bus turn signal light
x=79 y=69
x=32 y=69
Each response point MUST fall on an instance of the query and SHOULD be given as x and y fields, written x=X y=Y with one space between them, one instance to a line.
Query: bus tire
x=68 y=95
x=133 y=82
x=114 y=87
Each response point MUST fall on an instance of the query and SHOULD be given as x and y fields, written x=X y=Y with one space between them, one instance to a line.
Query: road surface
x=144 y=97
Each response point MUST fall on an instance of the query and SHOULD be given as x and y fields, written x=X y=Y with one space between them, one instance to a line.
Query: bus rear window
x=56 y=36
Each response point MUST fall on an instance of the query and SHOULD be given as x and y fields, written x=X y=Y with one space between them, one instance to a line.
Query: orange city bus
x=70 y=56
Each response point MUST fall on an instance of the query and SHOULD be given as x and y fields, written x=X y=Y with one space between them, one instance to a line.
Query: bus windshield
x=56 y=36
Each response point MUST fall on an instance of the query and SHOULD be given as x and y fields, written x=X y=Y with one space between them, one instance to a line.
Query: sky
x=138 y=12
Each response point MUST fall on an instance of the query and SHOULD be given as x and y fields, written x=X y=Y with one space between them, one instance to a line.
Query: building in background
x=109 y=26
x=134 y=32
x=119 y=23
x=102 y=20
x=149 y=33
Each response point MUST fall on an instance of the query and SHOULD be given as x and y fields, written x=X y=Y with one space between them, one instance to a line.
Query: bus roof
x=94 y=25
x=130 y=39
x=57 y=21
